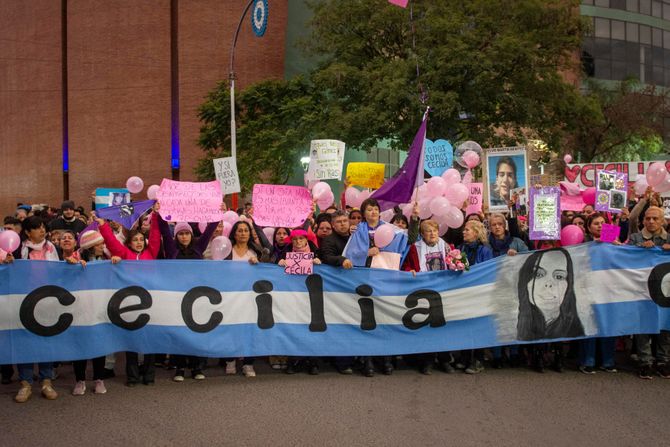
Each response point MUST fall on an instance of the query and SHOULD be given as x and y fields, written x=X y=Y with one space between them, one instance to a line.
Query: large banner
x=56 y=311
x=584 y=174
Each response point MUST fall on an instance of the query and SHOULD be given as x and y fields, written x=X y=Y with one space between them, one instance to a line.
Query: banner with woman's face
x=506 y=168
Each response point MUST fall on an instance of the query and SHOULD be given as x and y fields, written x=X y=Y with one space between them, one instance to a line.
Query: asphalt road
x=498 y=407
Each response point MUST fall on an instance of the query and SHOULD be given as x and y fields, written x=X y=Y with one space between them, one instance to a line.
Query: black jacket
x=332 y=248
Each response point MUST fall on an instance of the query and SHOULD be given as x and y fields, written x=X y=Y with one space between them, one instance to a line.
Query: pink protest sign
x=609 y=233
x=281 y=205
x=299 y=263
x=190 y=201
x=401 y=3
x=475 y=199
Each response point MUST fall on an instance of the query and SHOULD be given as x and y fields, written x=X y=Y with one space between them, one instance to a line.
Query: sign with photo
x=611 y=191
x=506 y=168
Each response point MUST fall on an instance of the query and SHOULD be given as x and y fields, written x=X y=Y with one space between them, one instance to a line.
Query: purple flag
x=400 y=187
x=126 y=214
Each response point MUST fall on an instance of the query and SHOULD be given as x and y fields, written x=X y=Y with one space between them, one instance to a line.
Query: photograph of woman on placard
x=506 y=172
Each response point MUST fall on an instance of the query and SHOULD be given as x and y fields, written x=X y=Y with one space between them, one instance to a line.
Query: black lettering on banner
x=367 y=306
x=264 y=304
x=435 y=311
x=655 y=282
x=315 y=288
x=27 y=310
x=214 y=297
x=114 y=309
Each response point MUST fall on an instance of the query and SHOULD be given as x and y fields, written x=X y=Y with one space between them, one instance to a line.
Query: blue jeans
x=26 y=371
x=587 y=351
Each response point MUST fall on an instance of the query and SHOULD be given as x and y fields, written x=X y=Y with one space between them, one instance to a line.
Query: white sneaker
x=79 y=388
x=100 y=387
x=248 y=371
x=231 y=367
x=199 y=376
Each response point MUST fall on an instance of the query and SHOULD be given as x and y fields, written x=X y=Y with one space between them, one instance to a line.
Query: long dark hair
x=531 y=324
x=251 y=244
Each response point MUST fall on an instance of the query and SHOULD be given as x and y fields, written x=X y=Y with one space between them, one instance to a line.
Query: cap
x=182 y=226
x=67 y=205
x=89 y=239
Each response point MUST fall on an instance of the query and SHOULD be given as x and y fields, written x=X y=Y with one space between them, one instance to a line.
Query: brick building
x=109 y=88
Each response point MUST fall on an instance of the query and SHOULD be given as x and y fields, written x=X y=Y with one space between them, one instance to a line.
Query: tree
x=490 y=70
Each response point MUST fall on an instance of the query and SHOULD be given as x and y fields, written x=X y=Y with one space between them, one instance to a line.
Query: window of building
x=602 y=28
x=618 y=4
x=645 y=34
x=631 y=5
x=632 y=32
x=666 y=11
x=603 y=3
x=666 y=40
x=656 y=9
x=645 y=7
x=657 y=37
x=618 y=30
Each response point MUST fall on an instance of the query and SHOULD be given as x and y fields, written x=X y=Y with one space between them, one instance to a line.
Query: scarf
x=500 y=246
x=43 y=251
x=470 y=249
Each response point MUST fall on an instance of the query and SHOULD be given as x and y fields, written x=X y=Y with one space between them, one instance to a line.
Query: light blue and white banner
x=56 y=311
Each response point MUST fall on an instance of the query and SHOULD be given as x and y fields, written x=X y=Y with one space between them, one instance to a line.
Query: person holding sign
x=244 y=250
x=137 y=248
x=300 y=244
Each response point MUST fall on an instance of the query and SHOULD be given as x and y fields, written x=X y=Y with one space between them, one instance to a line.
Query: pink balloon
x=424 y=209
x=269 y=233
x=641 y=185
x=470 y=158
x=436 y=186
x=202 y=226
x=656 y=173
x=454 y=217
x=571 y=235
x=589 y=196
x=457 y=194
x=407 y=209
x=422 y=193
x=227 y=226
x=567 y=158
x=326 y=200
x=442 y=229
x=9 y=241
x=351 y=197
x=664 y=186
x=134 y=184
x=231 y=217
x=439 y=206
x=384 y=235
x=152 y=191
x=364 y=195
x=451 y=176
x=467 y=178
x=220 y=247
x=387 y=215
x=320 y=189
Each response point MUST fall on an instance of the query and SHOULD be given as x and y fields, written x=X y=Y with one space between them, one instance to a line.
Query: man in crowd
x=652 y=235
x=68 y=220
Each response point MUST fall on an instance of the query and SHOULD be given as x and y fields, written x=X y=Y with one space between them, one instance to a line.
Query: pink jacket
x=116 y=248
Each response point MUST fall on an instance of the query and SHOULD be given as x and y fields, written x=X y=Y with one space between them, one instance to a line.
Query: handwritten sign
x=475 y=199
x=225 y=170
x=190 y=201
x=545 y=214
x=281 y=205
x=609 y=233
x=611 y=191
x=326 y=159
x=299 y=263
x=438 y=157
x=367 y=175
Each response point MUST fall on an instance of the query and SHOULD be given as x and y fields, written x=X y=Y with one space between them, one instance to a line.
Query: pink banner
x=401 y=3
x=475 y=199
x=190 y=201
x=584 y=174
x=609 y=233
x=299 y=263
x=281 y=205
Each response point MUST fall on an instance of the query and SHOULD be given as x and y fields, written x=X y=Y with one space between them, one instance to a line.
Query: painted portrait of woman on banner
x=506 y=169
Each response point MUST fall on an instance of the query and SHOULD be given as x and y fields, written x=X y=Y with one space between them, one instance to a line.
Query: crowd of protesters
x=62 y=235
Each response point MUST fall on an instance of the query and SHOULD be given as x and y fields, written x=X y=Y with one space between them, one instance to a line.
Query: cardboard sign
x=326 y=159
x=281 y=205
x=438 y=157
x=545 y=214
x=609 y=233
x=105 y=197
x=190 y=201
x=367 y=175
x=225 y=170
x=475 y=199
x=611 y=191
x=299 y=263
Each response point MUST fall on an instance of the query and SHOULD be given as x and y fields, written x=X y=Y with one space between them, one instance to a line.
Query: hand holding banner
x=281 y=205
x=190 y=201
x=367 y=175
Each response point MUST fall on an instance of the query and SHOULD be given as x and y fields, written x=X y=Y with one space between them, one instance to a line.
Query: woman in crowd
x=606 y=345
x=244 y=250
x=476 y=248
x=136 y=248
x=185 y=246
x=300 y=243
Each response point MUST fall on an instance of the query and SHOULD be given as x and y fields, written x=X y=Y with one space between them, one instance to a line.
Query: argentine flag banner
x=55 y=311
